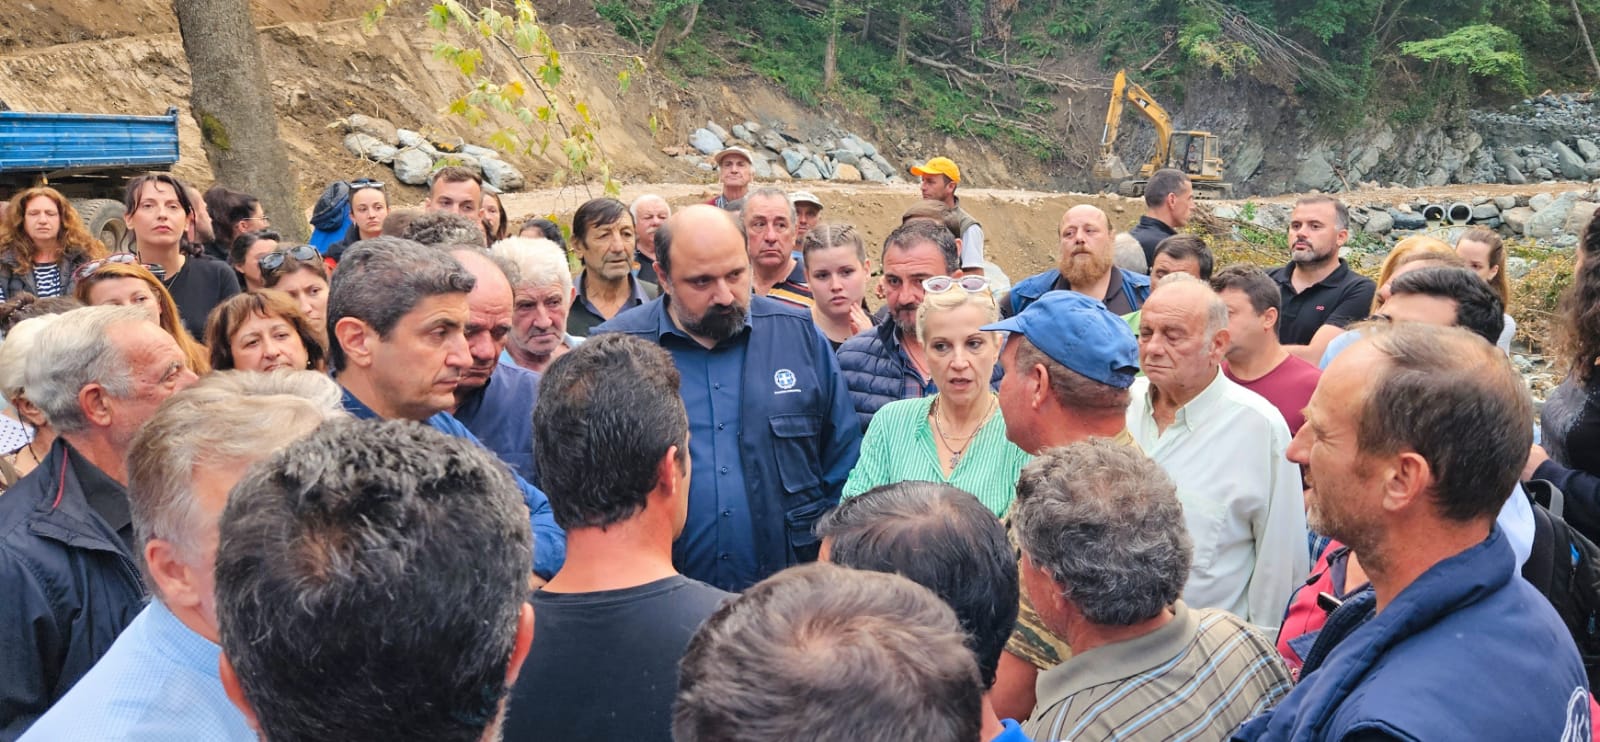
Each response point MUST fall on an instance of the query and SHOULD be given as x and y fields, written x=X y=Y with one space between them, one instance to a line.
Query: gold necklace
x=955 y=455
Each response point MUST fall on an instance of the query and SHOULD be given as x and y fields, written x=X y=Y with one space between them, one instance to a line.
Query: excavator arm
x=1110 y=166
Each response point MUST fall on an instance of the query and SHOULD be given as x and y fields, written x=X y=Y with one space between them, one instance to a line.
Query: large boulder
x=845 y=156
x=705 y=141
x=1516 y=218
x=740 y=132
x=1538 y=201
x=502 y=174
x=379 y=129
x=869 y=171
x=1485 y=212
x=761 y=167
x=1315 y=171
x=362 y=145
x=1579 y=218
x=461 y=160
x=1505 y=202
x=1588 y=149
x=792 y=160
x=1546 y=221
x=479 y=152
x=1378 y=222
x=411 y=166
x=1570 y=162
x=1407 y=220
x=1515 y=176
x=808 y=170
x=866 y=147
x=721 y=133
x=846 y=172
x=773 y=140
x=1508 y=158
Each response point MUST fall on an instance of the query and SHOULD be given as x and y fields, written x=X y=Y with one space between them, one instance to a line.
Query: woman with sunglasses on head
x=122 y=281
x=263 y=331
x=837 y=267
x=369 y=206
x=42 y=241
x=247 y=250
x=957 y=436
x=299 y=273
x=158 y=213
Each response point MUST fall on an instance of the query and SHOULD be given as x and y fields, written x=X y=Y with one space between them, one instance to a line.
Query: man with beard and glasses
x=1321 y=295
x=887 y=363
x=772 y=433
x=1085 y=266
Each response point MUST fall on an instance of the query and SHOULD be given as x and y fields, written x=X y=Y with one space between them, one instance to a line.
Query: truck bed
x=57 y=144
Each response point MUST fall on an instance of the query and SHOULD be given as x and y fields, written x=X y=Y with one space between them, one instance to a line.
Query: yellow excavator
x=1193 y=152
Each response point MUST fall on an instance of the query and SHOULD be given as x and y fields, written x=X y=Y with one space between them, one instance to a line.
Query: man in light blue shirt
x=159 y=680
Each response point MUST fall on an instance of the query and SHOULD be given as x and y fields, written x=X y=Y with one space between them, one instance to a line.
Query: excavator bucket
x=1110 y=167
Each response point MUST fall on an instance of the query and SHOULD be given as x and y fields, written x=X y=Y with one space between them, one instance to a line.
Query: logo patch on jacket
x=785 y=379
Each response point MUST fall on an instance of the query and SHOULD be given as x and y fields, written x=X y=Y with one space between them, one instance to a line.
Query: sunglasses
x=360 y=183
x=89 y=268
x=276 y=259
x=969 y=284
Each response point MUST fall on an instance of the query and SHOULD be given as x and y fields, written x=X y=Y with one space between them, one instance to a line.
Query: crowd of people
x=443 y=476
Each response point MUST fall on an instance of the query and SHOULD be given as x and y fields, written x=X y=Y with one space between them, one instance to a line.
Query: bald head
x=1088 y=213
x=698 y=223
x=1183 y=333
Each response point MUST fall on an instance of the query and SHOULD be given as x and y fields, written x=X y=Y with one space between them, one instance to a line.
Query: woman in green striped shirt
x=958 y=436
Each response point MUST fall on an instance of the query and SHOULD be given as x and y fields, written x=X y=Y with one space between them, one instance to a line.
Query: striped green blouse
x=899 y=446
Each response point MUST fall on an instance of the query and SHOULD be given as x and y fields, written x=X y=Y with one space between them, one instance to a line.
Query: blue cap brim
x=1009 y=324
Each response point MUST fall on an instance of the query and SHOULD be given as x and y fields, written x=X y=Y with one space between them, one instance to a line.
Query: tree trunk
x=901 y=39
x=666 y=36
x=830 y=57
x=231 y=100
x=1588 y=45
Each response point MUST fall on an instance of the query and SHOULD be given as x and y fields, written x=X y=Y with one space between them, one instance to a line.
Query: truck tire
x=104 y=218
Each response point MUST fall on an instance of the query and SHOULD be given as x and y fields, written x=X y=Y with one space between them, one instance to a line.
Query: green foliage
x=535 y=98
x=1486 y=51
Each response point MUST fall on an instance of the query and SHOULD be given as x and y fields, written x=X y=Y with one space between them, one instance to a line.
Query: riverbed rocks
x=781 y=154
x=414 y=157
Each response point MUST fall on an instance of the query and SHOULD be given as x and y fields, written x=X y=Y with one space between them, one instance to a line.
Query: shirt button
x=716 y=386
x=724 y=470
x=727 y=513
x=724 y=556
x=720 y=426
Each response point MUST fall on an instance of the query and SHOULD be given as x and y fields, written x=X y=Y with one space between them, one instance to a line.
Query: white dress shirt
x=1241 y=497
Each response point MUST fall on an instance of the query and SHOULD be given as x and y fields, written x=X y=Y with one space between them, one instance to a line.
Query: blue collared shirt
x=157 y=682
x=549 y=541
x=501 y=415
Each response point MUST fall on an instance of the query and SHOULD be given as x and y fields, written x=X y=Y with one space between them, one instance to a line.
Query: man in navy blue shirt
x=397 y=318
x=772 y=433
x=494 y=400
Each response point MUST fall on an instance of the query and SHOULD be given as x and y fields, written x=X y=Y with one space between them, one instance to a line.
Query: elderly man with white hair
x=67 y=568
x=1224 y=447
x=159 y=680
x=649 y=211
x=542 y=297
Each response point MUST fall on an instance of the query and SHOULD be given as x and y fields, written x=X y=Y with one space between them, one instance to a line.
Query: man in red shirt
x=1255 y=358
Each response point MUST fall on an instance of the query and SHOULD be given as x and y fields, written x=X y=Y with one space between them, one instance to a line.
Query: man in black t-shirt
x=1321 y=295
x=612 y=625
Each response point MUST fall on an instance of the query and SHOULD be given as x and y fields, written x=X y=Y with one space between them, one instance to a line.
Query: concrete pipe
x=1459 y=213
x=1433 y=213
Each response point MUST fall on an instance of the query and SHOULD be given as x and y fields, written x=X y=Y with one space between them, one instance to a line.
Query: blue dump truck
x=88 y=157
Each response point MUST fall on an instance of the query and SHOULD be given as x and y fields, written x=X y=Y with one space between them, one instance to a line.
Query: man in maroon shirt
x=1255 y=359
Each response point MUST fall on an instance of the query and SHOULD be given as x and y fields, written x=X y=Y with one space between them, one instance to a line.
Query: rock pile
x=780 y=155
x=414 y=156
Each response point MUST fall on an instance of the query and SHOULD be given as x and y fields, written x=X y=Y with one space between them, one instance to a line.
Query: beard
x=718 y=323
x=1085 y=269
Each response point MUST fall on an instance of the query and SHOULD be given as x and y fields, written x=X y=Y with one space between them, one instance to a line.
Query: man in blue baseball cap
x=1068 y=364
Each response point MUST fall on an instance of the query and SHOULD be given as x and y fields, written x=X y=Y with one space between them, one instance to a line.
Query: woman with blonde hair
x=1485 y=254
x=120 y=280
x=1398 y=255
x=43 y=242
x=957 y=436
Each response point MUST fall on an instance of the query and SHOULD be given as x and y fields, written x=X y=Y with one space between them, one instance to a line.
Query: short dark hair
x=398 y=221
x=943 y=539
x=382 y=279
x=1254 y=283
x=596 y=212
x=1104 y=521
x=226 y=319
x=549 y=229
x=607 y=412
x=241 y=244
x=1164 y=182
x=454 y=174
x=1341 y=213
x=1183 y=247
x=917 y=231
x=664 y=243
x=227 y=208
x=440 y=228
x=1478 y=308
x=1456 y=401
x=130 y=195
x=340 y=574
x=824 y=652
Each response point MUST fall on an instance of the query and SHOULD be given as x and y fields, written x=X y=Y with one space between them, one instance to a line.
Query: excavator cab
x=1194 y=152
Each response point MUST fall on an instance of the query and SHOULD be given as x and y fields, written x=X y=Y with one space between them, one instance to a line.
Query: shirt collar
x=1339 y=275
x=636 y=295
x=357 y=409
x=180 y=642
x=1118 y=661
x=1195 y=410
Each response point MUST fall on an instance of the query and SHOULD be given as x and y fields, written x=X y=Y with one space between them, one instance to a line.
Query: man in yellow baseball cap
x=940 y=176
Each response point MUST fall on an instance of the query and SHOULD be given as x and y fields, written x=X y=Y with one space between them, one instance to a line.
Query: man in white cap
x=940 y=176
x=733 y=166
x=807 y=210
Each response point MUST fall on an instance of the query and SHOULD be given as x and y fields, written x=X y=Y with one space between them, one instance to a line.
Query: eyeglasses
x=360 y=183
x=89 y=268
x=969 y=284
x=276 y=259
x=265 y=222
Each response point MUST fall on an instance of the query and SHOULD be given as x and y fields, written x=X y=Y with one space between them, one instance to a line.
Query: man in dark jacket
x=495 y=400
x=1168 y=204
x=67 y=571
x=1399 y=476
x=772 y=434
x=887 y=362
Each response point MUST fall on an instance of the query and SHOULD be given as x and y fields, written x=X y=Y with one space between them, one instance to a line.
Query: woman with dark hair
x=602 y=232
x=369 y=206
x=159 y=209
x=232 y=213
x=494 y=217
x=246 y=253
x=304 y=279
x=42 y=241
x=541 y=228
x=263 y=331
